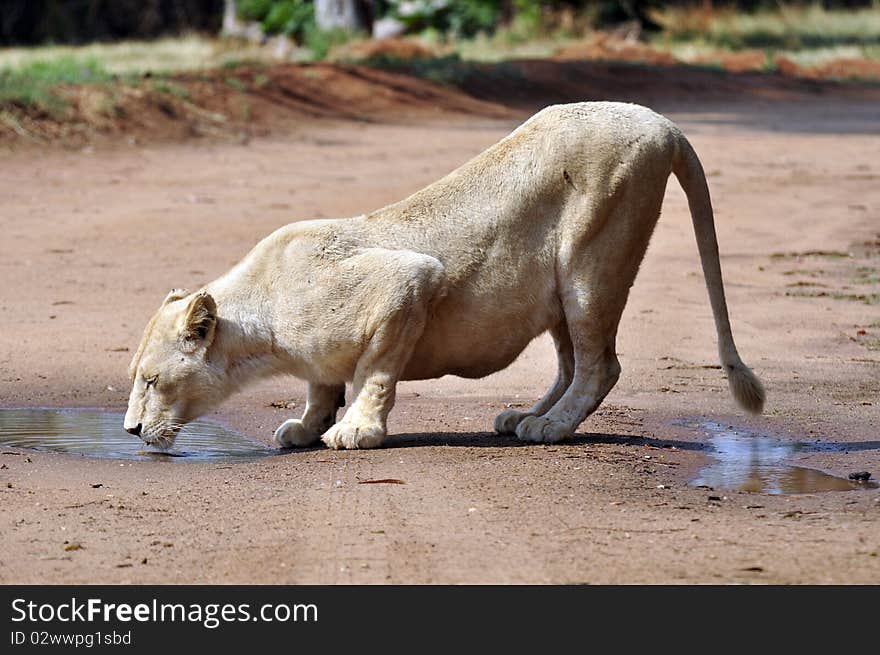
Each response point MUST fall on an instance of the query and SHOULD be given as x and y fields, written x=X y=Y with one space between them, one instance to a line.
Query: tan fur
x=543 y=231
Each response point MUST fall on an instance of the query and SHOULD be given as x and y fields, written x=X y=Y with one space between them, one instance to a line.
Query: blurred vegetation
x=809 y=34
x=791 y=27
x=289 y=17
x=463 y=18
x=31 y=86
x=31 y=22
x=730 y=23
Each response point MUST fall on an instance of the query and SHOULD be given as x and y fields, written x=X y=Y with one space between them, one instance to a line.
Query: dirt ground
x=92 y=238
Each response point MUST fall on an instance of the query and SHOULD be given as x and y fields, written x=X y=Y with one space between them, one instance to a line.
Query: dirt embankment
x=239 y=103
x=234 y=104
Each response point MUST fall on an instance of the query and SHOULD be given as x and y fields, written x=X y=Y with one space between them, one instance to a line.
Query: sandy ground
x=91 y=240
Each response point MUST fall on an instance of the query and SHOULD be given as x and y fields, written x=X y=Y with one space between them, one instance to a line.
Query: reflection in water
x=100 y=434
x=746 y=462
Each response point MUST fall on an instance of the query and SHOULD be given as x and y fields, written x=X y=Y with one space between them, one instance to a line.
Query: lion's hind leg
x=596 y=275
x=507 y=421
x=596 y=372
x=592 y=313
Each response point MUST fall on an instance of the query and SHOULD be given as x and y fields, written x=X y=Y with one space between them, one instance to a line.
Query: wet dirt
x=93 y=433
x=745 y=461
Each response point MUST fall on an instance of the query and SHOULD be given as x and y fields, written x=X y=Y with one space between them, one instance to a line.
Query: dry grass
x=136 y=57
x=788 y=27
x=807 y=35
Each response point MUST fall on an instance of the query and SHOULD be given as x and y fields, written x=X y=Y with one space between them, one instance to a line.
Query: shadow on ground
x=585 y=439
x=492 y=440
x=841 y=446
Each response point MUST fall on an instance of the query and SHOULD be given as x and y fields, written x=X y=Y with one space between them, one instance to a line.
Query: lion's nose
x=136 y=430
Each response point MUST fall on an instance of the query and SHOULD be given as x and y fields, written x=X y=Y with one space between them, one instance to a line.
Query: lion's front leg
x=322 y=403
x=364 y=424
x=403 y=286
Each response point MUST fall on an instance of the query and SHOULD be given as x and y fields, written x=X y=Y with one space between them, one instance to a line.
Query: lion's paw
x=349 y=435
x=506 y=421
x=292 y=434
x=540 y=429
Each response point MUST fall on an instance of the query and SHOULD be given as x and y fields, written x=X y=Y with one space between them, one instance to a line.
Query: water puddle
x=749 y=462
x=93 y=433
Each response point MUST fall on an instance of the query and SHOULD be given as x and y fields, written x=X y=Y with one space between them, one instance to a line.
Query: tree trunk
x=348 y=15
x=231 y=24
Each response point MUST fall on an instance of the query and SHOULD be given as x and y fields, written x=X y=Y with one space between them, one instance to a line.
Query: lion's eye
x=151 y=380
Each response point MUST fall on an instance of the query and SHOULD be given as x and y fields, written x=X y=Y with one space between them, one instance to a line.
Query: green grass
x=171 y=89
x=234 y=63
x=236 y=84
x=321 y=42
x=32 y=85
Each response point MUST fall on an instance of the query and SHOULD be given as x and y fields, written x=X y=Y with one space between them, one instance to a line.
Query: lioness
x=543 y=231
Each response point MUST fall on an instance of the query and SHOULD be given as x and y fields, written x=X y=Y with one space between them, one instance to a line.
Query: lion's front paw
x=350 y=435
x=506 y=421
x=292 y=433
x=540 y=429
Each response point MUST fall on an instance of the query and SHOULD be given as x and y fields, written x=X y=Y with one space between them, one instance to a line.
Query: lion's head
x=173 y=381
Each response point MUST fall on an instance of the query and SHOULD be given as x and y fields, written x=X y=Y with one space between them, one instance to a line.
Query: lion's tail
x=746 y=388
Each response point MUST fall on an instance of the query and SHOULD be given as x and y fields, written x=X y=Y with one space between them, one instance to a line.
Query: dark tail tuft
x=746 y=388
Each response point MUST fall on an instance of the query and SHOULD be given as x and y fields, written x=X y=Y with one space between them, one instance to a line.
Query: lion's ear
x=199 y=322
x=175 y=294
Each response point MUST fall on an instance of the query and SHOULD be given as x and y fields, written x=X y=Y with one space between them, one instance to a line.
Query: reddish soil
x=238 y=104
x=92 y=239
x=233 y=105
